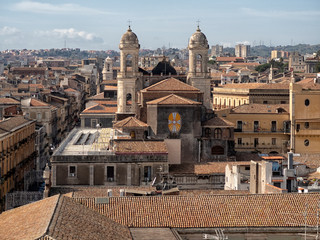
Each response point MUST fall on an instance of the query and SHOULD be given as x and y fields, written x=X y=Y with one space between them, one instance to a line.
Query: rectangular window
x=239 y=141
x=273 y=126
x=256 y=126
x=147 y=173
x=256 y=142
x=274 y=141
x=239 y=126
x=110 y=173
x=39 y=116
x=72 y=171
x=298 y=127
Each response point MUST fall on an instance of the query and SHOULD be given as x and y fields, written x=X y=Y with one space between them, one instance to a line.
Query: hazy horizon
x=99 y=25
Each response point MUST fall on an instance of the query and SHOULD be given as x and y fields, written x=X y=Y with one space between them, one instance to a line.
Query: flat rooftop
x=87 y=141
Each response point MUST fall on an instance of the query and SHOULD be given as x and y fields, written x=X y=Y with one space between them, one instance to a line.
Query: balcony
x=308 y=132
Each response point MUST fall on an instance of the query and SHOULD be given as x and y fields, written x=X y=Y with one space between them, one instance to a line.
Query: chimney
x=46 y=178
x=122 y=193
x=109 y=192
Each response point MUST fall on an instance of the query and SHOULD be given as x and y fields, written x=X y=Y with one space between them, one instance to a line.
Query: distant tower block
x=128 y=78
x=198 y=75
x=107 y=72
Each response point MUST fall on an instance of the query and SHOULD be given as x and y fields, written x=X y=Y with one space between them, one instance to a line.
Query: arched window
x=217 y=133
x=207 y=132
x=129 y=99
x=129 y=60
x=217 y=150
x=199 y=63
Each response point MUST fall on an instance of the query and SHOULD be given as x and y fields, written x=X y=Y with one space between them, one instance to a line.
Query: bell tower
x=107 y=72
x=198 y=75
x=128 y=77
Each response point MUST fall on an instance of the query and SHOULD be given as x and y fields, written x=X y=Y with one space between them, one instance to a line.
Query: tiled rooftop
x=228 y=59
x=171 y=84
x=8 y=101
x=140 y=147
x=13 y=122
x=99 y=109
x=36 y=103
x=200 y=168
x=262 y=108
x=29 y=221
x=218 y=122
x=173 y=99
x=130 y=122
x=257 y=86
x=58 y=217
x=210 y=211
x=309 y=83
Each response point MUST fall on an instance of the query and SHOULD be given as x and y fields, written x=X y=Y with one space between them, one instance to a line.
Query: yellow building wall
x=16 y=149
x=307 y=120
x=264 y=134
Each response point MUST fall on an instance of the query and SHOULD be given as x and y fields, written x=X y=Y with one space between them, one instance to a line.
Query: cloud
x=280 y=13
x=9 y=31
x=70 y=33
x=48 y=8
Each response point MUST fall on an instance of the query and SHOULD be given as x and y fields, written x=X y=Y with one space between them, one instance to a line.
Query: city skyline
x=97 y=25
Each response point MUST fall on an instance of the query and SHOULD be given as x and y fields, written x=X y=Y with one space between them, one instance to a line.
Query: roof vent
x=101 y=200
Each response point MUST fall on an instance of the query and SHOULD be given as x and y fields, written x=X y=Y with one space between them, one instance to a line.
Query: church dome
x=198 y=39
x=129 y=37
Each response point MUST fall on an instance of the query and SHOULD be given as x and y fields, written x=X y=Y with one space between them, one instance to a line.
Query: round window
x=306 y=142
x=307 y=102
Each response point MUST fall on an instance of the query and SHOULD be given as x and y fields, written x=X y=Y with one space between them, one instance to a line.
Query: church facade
x=177 y=112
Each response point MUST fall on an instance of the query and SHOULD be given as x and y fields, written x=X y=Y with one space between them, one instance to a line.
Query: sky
x=99 y=25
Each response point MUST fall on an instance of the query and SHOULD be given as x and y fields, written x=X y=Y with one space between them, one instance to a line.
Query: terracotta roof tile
x=140 y=147
x=99 y=109
x=228 y=59
x=130 y=122
x=36 y=103
x=257 y=85
x=70 y=90
x=210 y=211
x=309 y=83
x=58 y=217
x=173 y=99
x=29 y=221
x=262 y=108
x=171 y=84
x=8 y=101
x=13 y=122
x=218 y=122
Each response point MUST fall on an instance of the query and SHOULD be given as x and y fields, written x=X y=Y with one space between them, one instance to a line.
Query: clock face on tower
x=174 y=122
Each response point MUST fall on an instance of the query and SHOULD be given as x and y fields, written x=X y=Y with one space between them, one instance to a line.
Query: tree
x=263 y=67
